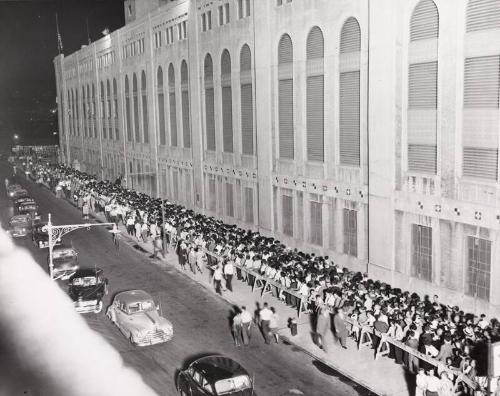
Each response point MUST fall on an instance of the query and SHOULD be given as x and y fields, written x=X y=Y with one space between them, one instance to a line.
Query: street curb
x=228 y=300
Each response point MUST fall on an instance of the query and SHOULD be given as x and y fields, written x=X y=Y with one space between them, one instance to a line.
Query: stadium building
x=364 y=130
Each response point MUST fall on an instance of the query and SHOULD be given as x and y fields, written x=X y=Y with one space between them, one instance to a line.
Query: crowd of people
x=458 y=340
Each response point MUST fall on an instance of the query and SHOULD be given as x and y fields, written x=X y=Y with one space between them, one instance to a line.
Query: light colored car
x=65 y=260
x=20 y=225
x=136 y=315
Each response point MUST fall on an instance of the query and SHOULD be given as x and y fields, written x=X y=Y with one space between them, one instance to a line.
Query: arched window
x=136 y=109
x=349 y=100
x=285 y=98
x=88 y=113
x=107 y=123
x=103 y=110
x=209 y=102
x=127 y=109
x=246 y=88
x=422 y=89
x=70 y=112
x=186 y=130
x=161 y=107
x=94 y=112
x=227 y=102
x=481 y=92
x=84 y=107
x=172 y=105
x=315 y=95
x=145 y=126
x=115 y=110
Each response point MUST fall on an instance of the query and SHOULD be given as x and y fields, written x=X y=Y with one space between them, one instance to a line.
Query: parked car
x=20 y=225
x=40 y=237
x=87 y=287
x=29 y=207
x=13 y=187
x=21 y=200
x=18 y=193
x=65 y=260
x=136 y=315
x=215 y=375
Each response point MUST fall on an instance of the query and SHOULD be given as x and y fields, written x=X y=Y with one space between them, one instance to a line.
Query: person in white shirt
x=273 y=325
x=265 y=315
x=246 y=321
x=228 y=274
x=218 y=279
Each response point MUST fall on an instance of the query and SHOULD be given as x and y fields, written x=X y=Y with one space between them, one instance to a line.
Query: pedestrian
x=420 y=382
x=218 y=279
x=246 y=323
x=237 y=329
x=412 y=362
x=157 y=247
x=116 y=236
x=192 y=259
x=323 y=325
x=130 y=225
x=265 y=315
x=340 y=327
x=137 y=227
x=432 y=383
x=446 y=387
x=182 y=254
x=228 y=274
x=273 y=325
x=85 y=210
x=201 y=258
x=144 y=231
x=6 y=182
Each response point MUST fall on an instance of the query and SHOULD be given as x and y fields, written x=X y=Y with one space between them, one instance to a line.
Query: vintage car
x=18 y=193
x=19 y=201
x=65 y=260
x=87 y=287
x=20 y=225
x=11 y=188
x=40 y=237
x=215 y=375
x=136 y=315
x=28 y=207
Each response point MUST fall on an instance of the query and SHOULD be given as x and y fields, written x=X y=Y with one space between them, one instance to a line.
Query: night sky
x=28 y=45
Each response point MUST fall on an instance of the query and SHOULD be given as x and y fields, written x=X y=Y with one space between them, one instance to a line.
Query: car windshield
x=233 y=384
x=85 y=281
x=140 y=306
x=64 y=255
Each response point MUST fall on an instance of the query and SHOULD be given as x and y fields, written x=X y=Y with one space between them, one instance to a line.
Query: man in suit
x=340 y=327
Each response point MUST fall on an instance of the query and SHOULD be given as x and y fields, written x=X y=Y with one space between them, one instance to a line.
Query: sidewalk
x=382 y=376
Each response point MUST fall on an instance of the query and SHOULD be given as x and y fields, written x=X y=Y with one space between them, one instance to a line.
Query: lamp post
x=57 y=232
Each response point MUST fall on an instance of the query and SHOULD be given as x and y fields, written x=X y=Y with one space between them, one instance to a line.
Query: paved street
x=200 y=318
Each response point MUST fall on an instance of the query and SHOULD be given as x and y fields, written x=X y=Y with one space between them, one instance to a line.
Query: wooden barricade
x=384 y=347
x=365 y=338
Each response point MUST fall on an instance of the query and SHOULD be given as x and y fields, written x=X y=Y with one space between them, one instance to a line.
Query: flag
x=59 y=39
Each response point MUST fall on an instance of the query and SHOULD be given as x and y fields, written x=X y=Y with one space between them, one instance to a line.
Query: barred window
x=422 y=252
x=478 y=268
x=351 y=232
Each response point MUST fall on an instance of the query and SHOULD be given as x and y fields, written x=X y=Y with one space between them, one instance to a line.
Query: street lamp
x=16 y=137
x=57 y=232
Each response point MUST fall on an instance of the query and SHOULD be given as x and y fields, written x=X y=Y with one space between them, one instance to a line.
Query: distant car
x=19 y=193
x=40 y=237
x=215 y=375
x=87 y=287
x=28 y=207
x=135 y=314
x=65 y=260
x=20 y=225
x=21 y=200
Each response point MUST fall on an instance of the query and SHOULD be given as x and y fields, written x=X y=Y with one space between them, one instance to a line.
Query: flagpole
x=59 y=39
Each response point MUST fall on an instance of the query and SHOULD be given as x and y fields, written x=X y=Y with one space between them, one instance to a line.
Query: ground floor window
x=351 y=232
x=316 y=235
x=478 y=267
x=422 y=252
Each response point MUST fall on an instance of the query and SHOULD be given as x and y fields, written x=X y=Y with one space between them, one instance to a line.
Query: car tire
x=131 y=339
x=98 y=308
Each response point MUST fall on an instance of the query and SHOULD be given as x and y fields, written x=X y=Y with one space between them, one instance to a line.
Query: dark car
x=18 y=193
x=215 y=375
x=19 y=201
x=65 y=260
x=87 y=287
x=28 y=207
x=40 y=237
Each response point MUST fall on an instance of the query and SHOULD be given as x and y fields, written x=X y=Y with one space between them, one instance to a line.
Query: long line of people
x=455 y=338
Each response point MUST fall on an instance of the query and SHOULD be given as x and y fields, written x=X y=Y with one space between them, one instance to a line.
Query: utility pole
x=57 y=232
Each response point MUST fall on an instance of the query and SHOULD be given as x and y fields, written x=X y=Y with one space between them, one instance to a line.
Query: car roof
x=131 y=296
x=215 y=368
x=62 y=248
x=20 y=217
x=86 y=271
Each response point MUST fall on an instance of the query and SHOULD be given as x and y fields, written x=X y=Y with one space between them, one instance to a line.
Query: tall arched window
x=349 y=100
x=186 y=130
x=70 y=112
x=127 y=109
x=209 y=102
x=246 y=88
x=481 y=91
x=136 y=109
x=77 y=104
x=422 y=88
x=285 y=98
x=108 y=110
x=145 y=126
x=172 y=106
x=94 y=112
x=315 y=96
x=88 y=113
x=84 y=106
x=161 y=107
x=115 y=110
x=227 y=102
x=103 y=110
